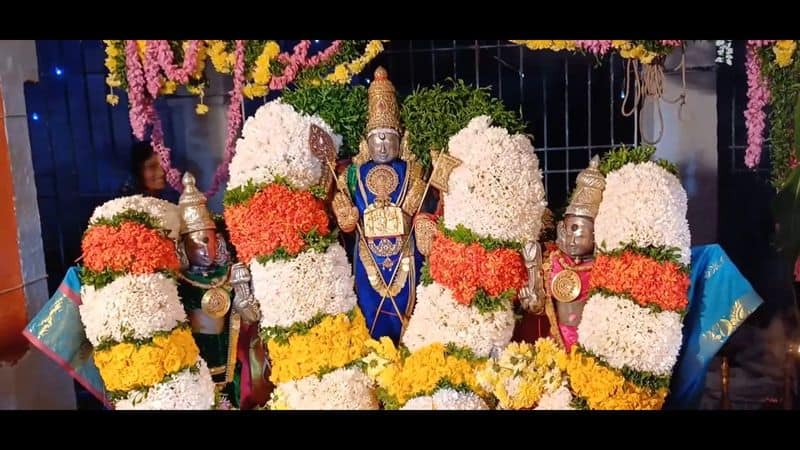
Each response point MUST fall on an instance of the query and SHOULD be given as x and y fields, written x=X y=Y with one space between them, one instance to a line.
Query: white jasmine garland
x=298 y=289
x=166 y=213
x=438 y=317
x=274 y=143
x=497 y=191
x=132 y=307
x=623 y=333
x=183 y=391
x=645 y=204
x=342 y=389
x=447 y=399
x=560 y=399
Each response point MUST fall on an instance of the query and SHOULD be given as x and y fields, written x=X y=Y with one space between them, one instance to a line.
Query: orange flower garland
x=466 y=268
x=275 y=217
x=646 y=281
x=130 y=247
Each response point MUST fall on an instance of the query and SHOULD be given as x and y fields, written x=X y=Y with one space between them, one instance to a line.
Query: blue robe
x=720 y=299
x=385 y=322
x=58 y=332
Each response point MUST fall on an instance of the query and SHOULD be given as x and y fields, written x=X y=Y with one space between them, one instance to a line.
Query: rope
x=22 y=285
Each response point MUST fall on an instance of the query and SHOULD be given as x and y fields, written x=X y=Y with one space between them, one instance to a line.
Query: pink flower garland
x=234 y=119
x=299 y=60
x=757 y=99
x=672 y=43
x=146 y=79
x=599 y=48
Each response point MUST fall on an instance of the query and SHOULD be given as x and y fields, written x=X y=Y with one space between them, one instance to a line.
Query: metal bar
x=477 y=64
x=499 y=73
x=611 y=97
x=589 y=110
x=544 y=108
x=566 y=118
x=433 y=61
x=521 y=84
x=411 y=65
x=446 y=49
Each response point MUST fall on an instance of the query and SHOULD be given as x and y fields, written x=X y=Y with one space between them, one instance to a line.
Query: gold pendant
x=216 y=302
x=566 y=286
x=382 y=180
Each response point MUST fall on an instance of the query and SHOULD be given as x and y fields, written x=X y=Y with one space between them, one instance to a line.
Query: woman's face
x=153 y=175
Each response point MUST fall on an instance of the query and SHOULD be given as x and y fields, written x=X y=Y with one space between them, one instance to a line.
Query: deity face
x=576 y=235
x=384 y=145
x=201 y=247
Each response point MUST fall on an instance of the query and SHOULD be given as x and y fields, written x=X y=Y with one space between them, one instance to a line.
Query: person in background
x=147 y=177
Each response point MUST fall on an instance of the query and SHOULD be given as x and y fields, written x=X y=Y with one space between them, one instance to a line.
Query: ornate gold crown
x=588 y=191
x=383 y=109
x=194 y=213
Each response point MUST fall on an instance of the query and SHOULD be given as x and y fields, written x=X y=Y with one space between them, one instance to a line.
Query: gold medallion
x=566 y=286
x=216 y=302
x=382 y=180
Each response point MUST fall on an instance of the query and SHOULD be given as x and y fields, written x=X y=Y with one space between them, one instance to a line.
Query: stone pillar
x=28 y=379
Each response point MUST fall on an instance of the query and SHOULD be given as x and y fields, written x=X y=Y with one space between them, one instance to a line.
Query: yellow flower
x=333 y=343
x=621 y=44
x=173 y=360
x=219 y=57
x=111 y=64
x=201 y=109
x=272 y=49
x=784 y=50
x=196 y=90
x=142 y=46
x=112 y=99
x=113 y=81
x=168 y=88
x=112 y=51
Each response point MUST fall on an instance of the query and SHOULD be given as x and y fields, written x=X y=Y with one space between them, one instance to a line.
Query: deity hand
x=346 y=214
x=425 y=230
x=532 y=296
x=243 y=301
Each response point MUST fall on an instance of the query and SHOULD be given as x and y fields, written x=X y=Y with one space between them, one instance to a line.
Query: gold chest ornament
x=382 y=217
x=566 y=284
x=216 y=302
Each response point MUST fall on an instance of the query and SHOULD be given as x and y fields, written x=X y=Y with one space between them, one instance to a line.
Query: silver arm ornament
x=532 y=295
x=243 y=300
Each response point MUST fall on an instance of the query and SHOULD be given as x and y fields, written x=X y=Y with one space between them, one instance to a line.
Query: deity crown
x=588 y=191
x=384 y=111
x=195 y=216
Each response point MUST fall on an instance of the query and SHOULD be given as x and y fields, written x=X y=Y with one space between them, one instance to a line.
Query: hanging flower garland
x=345 y=71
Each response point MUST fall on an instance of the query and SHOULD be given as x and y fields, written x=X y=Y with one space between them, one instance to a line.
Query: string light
x=35 y=116
x=59 y=71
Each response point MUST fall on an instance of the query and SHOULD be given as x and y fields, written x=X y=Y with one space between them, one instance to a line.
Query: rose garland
x=643 y=51
x=143 y=345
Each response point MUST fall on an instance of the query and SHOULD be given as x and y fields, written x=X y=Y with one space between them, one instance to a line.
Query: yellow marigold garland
x=331 y=344
x=548 y=45
x=784 y=50
x=345 y=71
x=126 y=366
x=605 y=388
x=113 y=52
x=422 y=371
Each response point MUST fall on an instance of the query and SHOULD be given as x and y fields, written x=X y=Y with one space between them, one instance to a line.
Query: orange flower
x=276 y=217
x=131 y=247
x=646 y=281
x=466 y=268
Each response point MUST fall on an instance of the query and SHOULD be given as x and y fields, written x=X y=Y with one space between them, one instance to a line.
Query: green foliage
x=579 y=403
x=281 y=335
x=615 y=159
x=783 y=114
x=464 y=235
x=487 y=304
x=342 y=107
x=107 y=342
x=660 y=254
x=98 y=280
x=787 y=214
x=642 y=379
x=241 y=194
x=130 y=215
x=425 y=274
x=433 y=114
x=464 y=353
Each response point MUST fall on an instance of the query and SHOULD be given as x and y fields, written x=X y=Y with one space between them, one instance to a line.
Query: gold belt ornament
x=202 y=323
x=374 y=274
x=385 y=247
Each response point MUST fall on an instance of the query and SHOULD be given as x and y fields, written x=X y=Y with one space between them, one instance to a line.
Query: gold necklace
x=216 y=302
